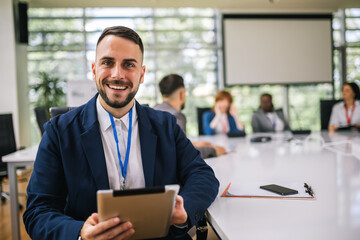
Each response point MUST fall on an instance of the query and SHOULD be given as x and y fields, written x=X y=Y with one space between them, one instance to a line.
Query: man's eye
x=129 y=65
x=107 y=63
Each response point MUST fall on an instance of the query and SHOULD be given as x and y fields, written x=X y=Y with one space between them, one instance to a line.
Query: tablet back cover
x=150 y=214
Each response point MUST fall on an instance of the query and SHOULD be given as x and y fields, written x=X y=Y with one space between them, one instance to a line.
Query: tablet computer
x=148 y=209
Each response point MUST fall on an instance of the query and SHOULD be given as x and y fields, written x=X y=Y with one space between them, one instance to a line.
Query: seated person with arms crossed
x=78 y=154
x=173 y=91
x=223 y=117
x=266 y=119
x=347 y=112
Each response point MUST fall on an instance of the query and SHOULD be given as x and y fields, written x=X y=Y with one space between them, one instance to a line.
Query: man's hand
x=109 y=229
x=202 y=144
x=179 y=215
x=220 y=150
x=332 y=128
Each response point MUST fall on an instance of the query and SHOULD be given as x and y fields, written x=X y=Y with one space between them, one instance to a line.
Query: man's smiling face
x=118 y=70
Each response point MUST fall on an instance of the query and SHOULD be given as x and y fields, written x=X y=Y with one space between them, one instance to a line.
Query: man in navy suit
x=112 y=142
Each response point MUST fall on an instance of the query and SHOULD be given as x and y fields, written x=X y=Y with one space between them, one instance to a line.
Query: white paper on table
x=254 y=190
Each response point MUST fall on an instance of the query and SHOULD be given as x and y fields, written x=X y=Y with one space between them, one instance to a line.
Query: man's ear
x=182 y=93
x=93 y=71
x=143 y=70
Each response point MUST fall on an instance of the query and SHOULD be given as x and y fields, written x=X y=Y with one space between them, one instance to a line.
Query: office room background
x=185 y=39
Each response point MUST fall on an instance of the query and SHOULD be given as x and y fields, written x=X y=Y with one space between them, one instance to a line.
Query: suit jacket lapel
x=267 y=120
x=148 y=141
x=92 y=145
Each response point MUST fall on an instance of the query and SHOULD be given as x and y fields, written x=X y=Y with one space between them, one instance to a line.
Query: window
x=184 y=41
x=176 y=40
x=346 y=28
x=303 y=102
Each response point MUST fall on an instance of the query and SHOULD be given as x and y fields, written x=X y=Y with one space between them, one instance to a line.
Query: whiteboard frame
x=320 y=16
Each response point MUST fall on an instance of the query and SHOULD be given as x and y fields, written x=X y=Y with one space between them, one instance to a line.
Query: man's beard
x=182 y=106
x=117 y=104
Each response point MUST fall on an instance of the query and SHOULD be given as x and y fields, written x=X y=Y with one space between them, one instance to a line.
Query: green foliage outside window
x=177 y=40
x=49 y=91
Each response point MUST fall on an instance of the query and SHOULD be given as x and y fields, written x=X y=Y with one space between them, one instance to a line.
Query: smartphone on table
x=279 y=189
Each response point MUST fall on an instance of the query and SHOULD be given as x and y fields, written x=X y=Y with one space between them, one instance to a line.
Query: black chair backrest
x=7 y=137
x=200 y=112
x=325 y=112
x=54 y=111
x=42 y=116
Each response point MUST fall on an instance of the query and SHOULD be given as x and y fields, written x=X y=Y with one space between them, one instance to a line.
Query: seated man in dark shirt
x=267 y=119
x=173 y=91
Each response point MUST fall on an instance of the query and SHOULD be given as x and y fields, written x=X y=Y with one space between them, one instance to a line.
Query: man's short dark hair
x=266 y=95
x=170 y=83
x=123 y=32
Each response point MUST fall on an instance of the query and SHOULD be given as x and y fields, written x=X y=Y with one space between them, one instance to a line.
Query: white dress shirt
x=223 y=125
x=276 y=121
x=135 y=174
x=338 y=114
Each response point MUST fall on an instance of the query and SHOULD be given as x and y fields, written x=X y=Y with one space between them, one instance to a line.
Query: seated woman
x=223 y=117
x=267 y=119
x=347 y=112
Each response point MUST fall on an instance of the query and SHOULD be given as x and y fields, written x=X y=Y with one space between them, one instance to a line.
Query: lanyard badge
x=348 y=118
x=122 y=166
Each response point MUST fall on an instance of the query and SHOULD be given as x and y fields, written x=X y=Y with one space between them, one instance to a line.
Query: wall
x=22 y=94
x=13 y=88
x=8 y=90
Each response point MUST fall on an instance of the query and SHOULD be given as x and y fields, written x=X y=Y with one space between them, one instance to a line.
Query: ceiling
x=228 y=5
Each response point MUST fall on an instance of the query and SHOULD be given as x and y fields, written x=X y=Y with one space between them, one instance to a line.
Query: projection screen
x=277 y=49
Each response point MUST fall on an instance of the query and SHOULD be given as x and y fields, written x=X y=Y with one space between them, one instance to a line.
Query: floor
x=211 y=234
x=5 y=223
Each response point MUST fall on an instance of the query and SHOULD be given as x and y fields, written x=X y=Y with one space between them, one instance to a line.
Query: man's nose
x=117 y=72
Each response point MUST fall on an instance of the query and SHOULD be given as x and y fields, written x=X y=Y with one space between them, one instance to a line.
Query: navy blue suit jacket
x=209 y=116
x=70 y=167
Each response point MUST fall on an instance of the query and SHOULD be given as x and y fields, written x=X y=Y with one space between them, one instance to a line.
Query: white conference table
x=331 y=167
x=22 y=158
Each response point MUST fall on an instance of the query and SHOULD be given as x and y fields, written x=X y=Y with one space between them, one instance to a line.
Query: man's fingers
x=91 y=220
x=179 y=214
x=95 y=217
x=109 y=229
x=125 y=235
x=179 y=201
x=219 y=150
x=104 y=226
x=120 y=232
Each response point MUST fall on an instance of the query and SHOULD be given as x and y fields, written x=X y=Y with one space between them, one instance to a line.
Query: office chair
x=325 y=112
x=200 y=112
x=54 y=111
x=7 y=146
x=42 y=116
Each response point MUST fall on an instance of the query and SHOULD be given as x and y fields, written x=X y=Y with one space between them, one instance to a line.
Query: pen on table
x=308 y=189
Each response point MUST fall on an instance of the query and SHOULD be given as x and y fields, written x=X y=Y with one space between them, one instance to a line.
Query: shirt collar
x=170 y=106
x=104 y=120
